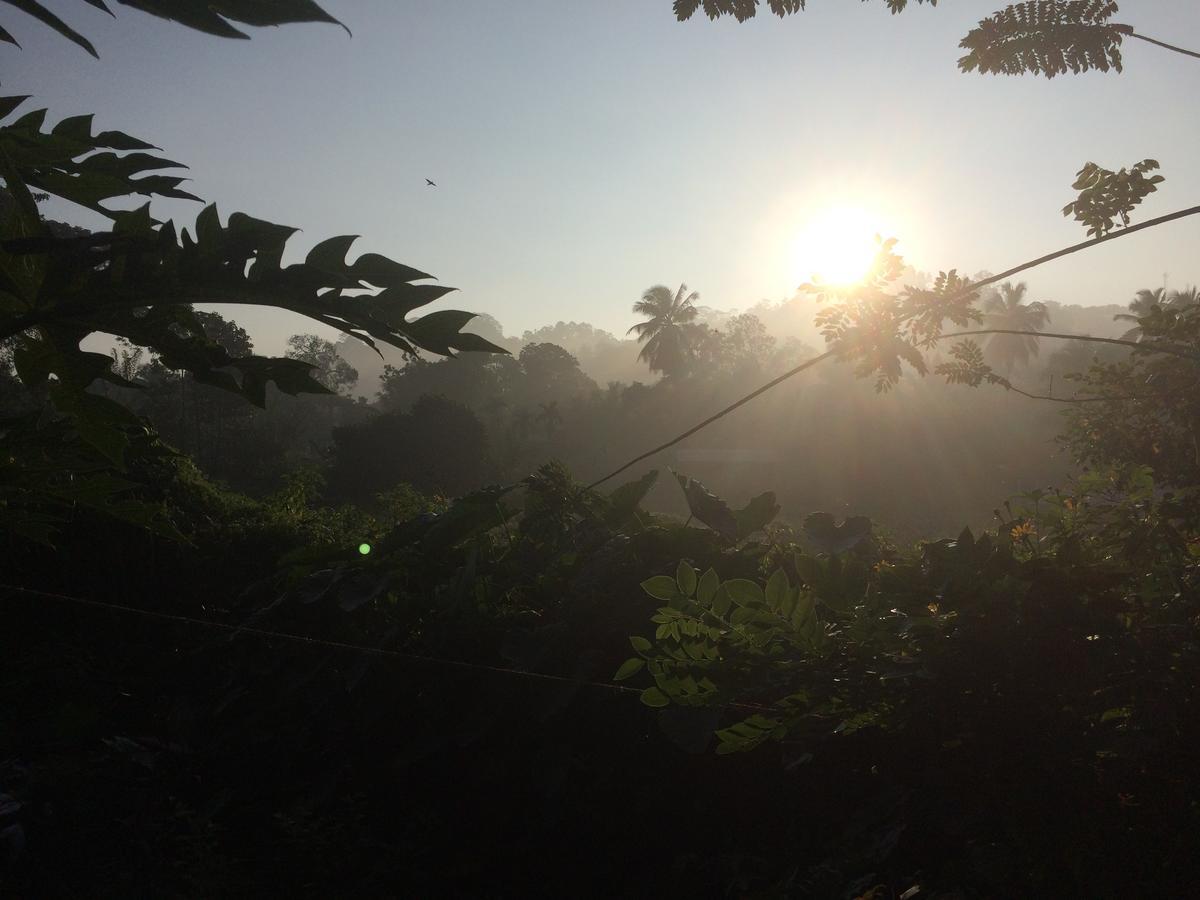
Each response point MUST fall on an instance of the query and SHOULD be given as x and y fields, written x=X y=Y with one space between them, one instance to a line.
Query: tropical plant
x=668 y=331
x=1145 y=302
x=210 y=18
x=1007 y=310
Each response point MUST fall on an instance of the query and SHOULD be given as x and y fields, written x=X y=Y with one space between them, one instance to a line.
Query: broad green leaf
x=629 y=668
x=640 y=644
x=777 y=590
x=661 y=587
x=655 y=698
x=722 y=601
x=685 y=577
x=744 y=592
x=707 y=588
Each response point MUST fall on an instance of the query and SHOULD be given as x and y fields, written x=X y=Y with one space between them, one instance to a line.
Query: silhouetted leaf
x=828 y=537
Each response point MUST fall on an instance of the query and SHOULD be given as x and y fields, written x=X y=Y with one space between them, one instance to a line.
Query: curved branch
x=1008 y=273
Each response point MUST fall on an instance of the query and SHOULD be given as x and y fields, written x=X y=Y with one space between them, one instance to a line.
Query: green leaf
x=685 y=577
x=744 y=592
x=707 y=588
x=640 y=644
x=777 y=591
x=655 y=698
x=629 y=668
x=661 y=587
x=722 y=601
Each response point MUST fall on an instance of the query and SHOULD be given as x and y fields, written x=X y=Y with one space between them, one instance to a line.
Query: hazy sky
x=586 y=150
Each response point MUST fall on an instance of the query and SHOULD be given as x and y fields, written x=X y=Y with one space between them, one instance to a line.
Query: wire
x=339 y=645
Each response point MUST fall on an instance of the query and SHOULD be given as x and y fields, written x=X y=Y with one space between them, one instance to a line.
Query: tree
x=1008 y=310
x=331 y=370
x=438 y=446
x=1145 y=302
x=668 y=332
x=550 y=417
x=552 y=372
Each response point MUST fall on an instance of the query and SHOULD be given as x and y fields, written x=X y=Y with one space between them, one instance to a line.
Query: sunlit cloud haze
x=585 y=151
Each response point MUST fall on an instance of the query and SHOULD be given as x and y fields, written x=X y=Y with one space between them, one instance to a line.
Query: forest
x=885 y=589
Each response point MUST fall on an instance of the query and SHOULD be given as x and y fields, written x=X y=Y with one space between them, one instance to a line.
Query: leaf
x=624 y=501
x=653 y=697
x=777 y=591
x=722 y=601
x=48 y=18
x=827 y=537
x=661 y=587
x=640 y=644
x=707 y=588
x=8 y=104
x=629 y=668
x=756 y=515
x=744 y=592
x=685 y=577
x=708 y=508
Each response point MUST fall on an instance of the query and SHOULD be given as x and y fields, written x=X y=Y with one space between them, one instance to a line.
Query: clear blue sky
x=586 y=150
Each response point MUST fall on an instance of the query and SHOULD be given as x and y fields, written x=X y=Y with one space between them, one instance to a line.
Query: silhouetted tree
x=668 y=331
x=332 y=371
x=439 y=446
x=1007 y=309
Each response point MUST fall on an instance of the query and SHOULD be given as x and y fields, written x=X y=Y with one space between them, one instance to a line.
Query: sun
x=838 y=245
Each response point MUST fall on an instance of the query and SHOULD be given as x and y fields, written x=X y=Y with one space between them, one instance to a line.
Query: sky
x=585 y=150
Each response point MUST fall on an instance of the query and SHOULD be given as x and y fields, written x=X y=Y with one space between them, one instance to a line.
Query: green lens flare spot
x=364 y=549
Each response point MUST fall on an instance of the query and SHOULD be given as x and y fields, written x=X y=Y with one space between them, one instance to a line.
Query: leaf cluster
x=1046 y=37
x=747 y=9
x=1105 y=195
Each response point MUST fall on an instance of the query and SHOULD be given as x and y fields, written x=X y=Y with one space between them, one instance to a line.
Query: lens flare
x=364 y=548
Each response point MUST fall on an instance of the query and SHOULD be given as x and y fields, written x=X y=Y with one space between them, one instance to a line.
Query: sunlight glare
x=837 y=245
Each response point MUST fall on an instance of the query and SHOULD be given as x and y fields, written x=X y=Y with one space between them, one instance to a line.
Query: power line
x=339 y=645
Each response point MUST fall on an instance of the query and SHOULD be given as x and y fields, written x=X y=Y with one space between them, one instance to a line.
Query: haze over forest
x=618 y=448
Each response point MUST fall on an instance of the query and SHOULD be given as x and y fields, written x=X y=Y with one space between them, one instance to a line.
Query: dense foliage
x=403 y=665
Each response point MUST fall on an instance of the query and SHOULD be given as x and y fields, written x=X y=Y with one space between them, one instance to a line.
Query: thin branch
x=1150 y=40
x=1017 y=390
x=970 y=289
x=1145 y=346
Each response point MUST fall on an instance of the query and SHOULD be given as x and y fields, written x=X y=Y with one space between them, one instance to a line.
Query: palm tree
x=1145 y=302
x=1189 y=296
x=1008 y=310
x=668 y=330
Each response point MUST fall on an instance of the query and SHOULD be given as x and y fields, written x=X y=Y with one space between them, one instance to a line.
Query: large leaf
x=828 y=537
x=708 y=508
x=211 y=18
x=756 y=515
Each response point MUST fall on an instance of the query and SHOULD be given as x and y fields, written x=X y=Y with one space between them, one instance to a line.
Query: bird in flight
x=430 y=183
